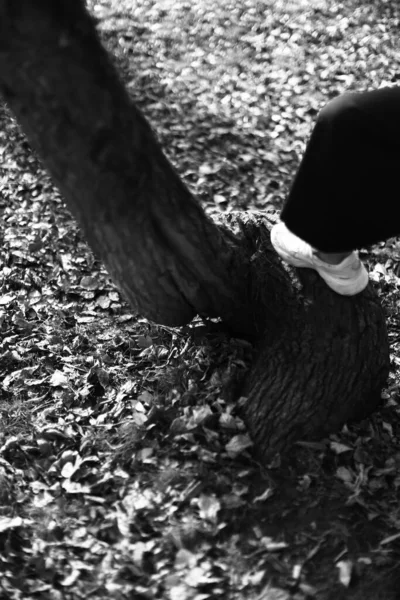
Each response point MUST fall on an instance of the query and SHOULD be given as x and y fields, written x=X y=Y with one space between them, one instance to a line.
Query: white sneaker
x=347 y=278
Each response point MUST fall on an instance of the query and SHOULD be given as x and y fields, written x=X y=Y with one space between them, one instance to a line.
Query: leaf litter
x=125 y=468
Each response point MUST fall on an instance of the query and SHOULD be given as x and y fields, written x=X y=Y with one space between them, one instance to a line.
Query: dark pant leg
x=346 y=193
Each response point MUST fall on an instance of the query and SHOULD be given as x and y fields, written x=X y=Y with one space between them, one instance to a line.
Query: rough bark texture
x=322 y=358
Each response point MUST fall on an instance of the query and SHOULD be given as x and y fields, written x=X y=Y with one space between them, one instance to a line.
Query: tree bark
x=322 y=358
x=168 y=258
x=326 y=365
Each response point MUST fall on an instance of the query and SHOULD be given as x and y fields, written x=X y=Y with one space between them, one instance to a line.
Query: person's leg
x=345 y=193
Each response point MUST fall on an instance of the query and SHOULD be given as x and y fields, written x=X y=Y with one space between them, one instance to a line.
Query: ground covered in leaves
x=125 y=468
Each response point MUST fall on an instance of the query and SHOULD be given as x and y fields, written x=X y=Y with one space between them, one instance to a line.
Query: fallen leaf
x=345 y=571
x=89 y=283
x=339 y=448
x=238 y=444
x=6 y=299
x=209 y=507
x=103 y=301
x=58 y=379
x=344 y=474
x=7 y=523
x=184 y=558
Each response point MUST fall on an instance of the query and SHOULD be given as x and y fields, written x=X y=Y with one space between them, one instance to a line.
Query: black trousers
x=346 y=193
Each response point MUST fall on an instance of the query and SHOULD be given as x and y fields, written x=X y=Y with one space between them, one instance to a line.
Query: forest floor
x=125 y=469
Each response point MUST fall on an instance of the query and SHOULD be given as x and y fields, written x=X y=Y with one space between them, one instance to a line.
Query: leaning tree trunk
x=170 y=261
x=322 y=358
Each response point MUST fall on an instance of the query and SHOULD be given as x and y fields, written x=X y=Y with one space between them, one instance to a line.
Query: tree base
x=322 y=359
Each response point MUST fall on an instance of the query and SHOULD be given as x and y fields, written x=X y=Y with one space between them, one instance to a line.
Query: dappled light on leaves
x=126 y=470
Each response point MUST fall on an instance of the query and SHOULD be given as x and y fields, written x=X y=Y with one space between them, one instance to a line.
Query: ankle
x=333 y=258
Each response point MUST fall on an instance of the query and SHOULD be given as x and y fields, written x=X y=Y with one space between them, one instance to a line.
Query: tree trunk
x=326 y=366
x=322 y=358
x=167 y=257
